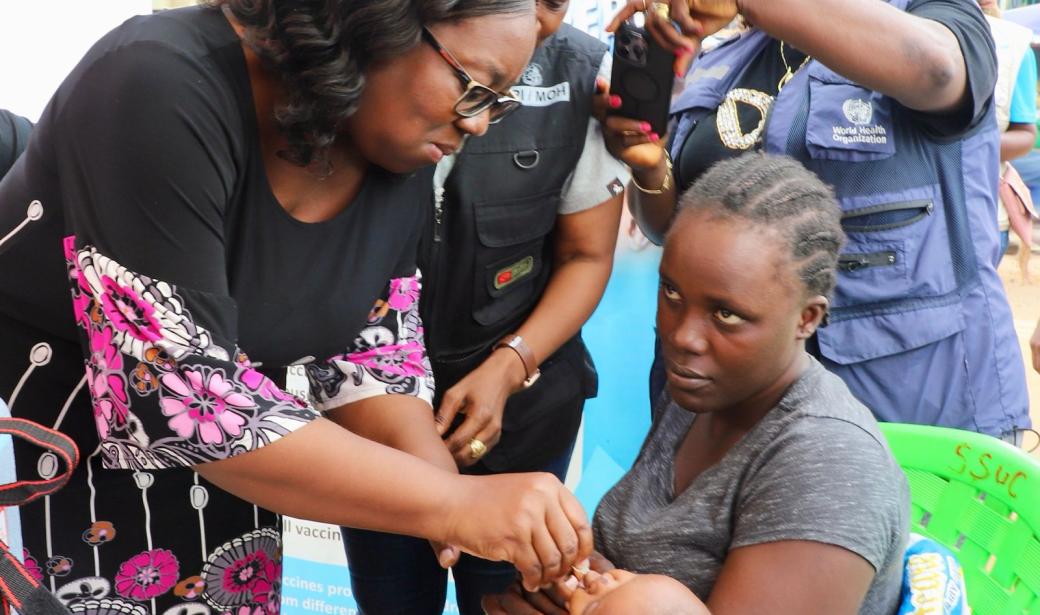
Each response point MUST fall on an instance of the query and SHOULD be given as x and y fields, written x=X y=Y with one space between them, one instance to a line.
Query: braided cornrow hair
x=321 y=49
x=781 y=194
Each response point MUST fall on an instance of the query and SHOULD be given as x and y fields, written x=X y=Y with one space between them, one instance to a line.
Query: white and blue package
x=933 y=581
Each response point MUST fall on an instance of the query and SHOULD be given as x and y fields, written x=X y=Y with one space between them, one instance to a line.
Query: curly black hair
x=321 y=48
x=781 y=194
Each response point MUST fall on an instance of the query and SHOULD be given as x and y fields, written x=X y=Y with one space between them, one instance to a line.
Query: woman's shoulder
x=190 y=50
x=189 y=32
x=172 y=76
x=822 y=398
x=826 y=446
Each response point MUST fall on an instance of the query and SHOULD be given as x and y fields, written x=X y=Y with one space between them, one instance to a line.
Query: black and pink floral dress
x=152 y=294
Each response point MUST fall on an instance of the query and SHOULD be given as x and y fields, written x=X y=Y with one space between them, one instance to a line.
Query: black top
x=703 y=146
x=148 y=246
x=150 y=150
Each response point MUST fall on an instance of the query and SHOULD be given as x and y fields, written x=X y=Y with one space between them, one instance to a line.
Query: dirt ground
x=1025 y=306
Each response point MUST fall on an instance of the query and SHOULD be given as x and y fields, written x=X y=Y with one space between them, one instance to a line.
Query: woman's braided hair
x=321 y=49
x=779 y=193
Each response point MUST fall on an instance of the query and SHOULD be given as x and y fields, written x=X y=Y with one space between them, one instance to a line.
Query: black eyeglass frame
x=499 y=104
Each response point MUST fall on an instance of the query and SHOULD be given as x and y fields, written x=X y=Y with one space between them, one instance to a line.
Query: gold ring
x=476 y=449
x=661 y=9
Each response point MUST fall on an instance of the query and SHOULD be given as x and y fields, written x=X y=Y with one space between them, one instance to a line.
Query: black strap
x=15 y=582
x=22 y=591
x=25 y=491
x=19 y=589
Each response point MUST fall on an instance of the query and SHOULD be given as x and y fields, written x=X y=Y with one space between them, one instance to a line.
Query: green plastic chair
x=980 y=497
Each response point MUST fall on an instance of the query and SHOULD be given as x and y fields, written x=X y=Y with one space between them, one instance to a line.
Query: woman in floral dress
x=214 y=194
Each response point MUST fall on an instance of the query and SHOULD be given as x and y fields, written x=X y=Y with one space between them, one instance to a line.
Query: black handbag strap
x=25 y=491
x=18 y=588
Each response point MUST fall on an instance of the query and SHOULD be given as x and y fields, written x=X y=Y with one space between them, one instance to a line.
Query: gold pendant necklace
x=788 y=72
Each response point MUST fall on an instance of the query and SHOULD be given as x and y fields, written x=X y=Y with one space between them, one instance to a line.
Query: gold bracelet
x=665 y=185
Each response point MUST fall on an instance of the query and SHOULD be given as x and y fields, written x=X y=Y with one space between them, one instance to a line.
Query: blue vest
x=920 y=328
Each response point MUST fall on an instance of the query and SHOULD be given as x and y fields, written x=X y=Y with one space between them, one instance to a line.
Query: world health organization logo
x=857 y=111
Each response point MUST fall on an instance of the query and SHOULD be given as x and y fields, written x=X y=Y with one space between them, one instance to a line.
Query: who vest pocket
x=847 y=122
x=897 y=249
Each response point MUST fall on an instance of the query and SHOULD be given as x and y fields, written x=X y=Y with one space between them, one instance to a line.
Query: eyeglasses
x=476 y=97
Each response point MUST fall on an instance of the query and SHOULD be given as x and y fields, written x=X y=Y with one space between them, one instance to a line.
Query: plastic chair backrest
x=980 y=497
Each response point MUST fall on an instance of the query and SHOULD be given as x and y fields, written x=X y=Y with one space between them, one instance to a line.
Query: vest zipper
x=432 y=277
x=924 y=208
x=438 y=213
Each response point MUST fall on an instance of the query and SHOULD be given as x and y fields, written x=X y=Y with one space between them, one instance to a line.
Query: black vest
x=487 y=256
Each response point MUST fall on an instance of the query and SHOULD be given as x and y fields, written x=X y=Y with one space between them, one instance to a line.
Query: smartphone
x=642 y=76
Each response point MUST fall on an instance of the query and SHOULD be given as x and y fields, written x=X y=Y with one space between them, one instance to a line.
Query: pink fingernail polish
x=615 y=101
x=645 y=126
x=654 y=137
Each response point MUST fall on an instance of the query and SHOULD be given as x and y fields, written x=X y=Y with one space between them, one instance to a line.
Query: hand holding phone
x=641 y=77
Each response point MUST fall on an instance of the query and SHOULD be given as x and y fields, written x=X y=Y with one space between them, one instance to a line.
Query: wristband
x=522 y=350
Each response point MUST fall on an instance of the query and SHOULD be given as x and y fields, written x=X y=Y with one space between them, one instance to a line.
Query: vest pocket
x=846 y=122
x=879 y=335
x=511 y=254
x=897 y=249
x=886 y=216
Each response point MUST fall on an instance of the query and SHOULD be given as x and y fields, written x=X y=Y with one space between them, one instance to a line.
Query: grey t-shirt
x=814 y=468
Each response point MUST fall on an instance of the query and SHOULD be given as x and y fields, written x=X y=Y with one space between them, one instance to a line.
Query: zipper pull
x=438 y=212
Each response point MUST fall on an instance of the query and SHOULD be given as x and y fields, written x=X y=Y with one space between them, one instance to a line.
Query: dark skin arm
x=325 y=473
x=1017 y=141
x=917 y=61
x=398 y=421
x=584 y=256
x=406 y=424
x=791 y=577
x=914 y=60
x=634 y=143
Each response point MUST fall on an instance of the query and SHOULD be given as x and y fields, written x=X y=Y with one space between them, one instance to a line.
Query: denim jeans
x=399 y=575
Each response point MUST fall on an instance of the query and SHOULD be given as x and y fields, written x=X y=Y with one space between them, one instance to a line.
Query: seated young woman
x=763 y=486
